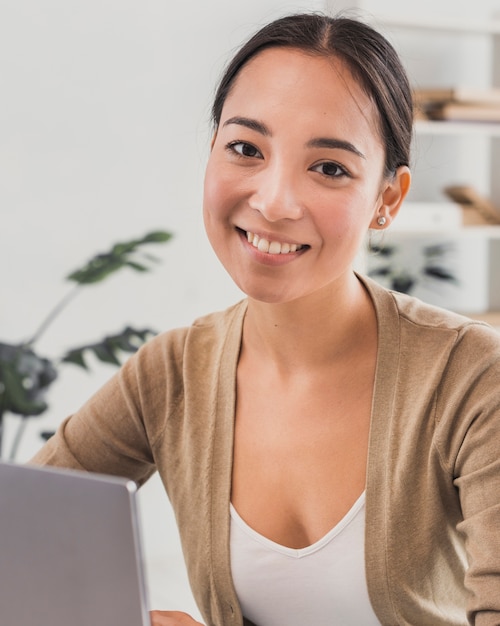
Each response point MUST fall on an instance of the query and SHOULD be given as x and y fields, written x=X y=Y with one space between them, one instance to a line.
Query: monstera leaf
x=121 y=255
x=24 y=379
x=108 y=350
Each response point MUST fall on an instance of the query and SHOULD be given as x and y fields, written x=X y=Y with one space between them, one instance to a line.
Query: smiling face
x=295 y=176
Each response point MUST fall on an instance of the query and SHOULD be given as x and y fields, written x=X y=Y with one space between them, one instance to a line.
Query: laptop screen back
x=70 y=550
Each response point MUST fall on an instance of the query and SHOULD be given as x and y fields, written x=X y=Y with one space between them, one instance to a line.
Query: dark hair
x=369 y=56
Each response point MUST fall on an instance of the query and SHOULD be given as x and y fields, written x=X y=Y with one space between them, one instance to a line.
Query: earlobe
x=391 y=197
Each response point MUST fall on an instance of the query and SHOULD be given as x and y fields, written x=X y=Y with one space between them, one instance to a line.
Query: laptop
x=70 y=549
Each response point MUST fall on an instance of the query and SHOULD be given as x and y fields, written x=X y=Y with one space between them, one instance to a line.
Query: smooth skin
x=298 y=160
x=172 y=618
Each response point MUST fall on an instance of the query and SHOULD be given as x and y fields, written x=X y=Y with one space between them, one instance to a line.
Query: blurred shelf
x=474 y=35
x=486 y=129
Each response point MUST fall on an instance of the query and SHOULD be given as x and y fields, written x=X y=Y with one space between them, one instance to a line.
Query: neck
x=312 y=331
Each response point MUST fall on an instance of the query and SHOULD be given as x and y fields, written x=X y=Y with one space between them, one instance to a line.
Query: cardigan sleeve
x=115 y=430
x=474 y=378
x=171 y=408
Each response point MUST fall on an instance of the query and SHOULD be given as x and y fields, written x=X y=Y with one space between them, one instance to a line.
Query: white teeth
x=263 y=245
x=271 y=247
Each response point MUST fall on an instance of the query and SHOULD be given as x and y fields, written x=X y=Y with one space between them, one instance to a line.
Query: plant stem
x=53 y=314
x=17 y=439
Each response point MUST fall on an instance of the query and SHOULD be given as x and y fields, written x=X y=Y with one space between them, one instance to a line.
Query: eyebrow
x=260 y=127
x=335 y=144
x=317 y=142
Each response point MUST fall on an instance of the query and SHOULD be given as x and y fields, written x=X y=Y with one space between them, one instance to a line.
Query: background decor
x=449 y=269
x=26 y=376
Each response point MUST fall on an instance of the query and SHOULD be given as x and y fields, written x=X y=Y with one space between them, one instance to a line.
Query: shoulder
x=182 y=362
x=205 y=335
x=432 y=341
x=393 y=307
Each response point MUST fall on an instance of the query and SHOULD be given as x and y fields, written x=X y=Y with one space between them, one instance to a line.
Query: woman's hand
x=172 y=618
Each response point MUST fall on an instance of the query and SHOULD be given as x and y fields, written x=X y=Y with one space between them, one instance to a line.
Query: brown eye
x=330 y=169
x=245 y=149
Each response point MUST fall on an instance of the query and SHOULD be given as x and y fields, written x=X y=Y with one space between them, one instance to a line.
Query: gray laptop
x=70 y=552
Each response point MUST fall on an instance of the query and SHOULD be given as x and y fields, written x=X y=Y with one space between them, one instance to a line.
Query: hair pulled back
x=369 y=56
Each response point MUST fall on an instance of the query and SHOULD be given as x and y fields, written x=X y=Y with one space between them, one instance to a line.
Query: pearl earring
x=381 y=221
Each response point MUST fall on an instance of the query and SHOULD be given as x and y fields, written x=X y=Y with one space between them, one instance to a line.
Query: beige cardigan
x=433 y=478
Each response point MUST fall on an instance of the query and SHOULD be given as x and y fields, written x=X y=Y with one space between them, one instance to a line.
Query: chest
x=323 y=583
x=300 y=452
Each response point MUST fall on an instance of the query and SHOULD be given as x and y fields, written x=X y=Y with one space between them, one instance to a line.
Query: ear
x=391 y=198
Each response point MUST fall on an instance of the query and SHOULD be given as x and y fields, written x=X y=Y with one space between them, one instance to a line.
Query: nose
x=276 y=194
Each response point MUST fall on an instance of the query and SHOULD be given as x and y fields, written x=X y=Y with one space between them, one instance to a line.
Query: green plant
x=25 y=376
x=403 y=277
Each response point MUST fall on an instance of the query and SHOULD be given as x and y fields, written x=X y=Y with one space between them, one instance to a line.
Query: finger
x=172 y=618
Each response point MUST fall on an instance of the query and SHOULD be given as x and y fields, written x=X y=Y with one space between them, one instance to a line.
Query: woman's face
x=295 y=175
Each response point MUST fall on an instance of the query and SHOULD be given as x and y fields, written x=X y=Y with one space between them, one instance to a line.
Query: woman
x=330 y=448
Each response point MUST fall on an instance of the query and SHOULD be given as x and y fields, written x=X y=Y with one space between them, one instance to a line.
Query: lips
x=271 y=247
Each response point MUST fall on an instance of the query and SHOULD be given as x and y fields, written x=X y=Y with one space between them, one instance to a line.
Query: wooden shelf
x=451 y=150
x=486 y=129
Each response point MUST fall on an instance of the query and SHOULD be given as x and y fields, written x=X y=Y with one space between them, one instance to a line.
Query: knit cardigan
x=432 y=541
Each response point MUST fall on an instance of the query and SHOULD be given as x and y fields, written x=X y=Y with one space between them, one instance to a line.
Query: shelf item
x=458 y=103
x=477 y=208
x=468 y=210
x=464 y=112
x=462 y=94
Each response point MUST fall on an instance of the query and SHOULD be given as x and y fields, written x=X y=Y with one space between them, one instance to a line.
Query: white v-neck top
x=323 y=584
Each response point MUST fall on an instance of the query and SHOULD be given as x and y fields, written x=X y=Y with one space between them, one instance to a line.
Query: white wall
x=104 y=129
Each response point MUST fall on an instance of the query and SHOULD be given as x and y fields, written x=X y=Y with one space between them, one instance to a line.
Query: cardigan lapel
x=220 y=481
x=378 y=466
